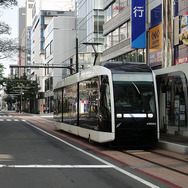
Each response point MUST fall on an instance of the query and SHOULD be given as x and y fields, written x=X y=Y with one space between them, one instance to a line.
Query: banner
x=138 y=12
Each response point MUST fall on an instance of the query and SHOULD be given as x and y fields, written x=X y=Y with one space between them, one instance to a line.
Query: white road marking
x=99 y=159
x=46 y=116
x=10 y=120
x=55 y=166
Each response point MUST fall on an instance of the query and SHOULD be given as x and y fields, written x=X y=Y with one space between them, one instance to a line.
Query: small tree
x=23 y=90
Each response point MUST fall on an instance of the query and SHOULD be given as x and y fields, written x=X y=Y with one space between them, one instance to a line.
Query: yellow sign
x=155 y=36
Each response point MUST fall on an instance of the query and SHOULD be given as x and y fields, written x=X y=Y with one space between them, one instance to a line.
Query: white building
x=25 y=23
x=43 y=12
x=59 y=46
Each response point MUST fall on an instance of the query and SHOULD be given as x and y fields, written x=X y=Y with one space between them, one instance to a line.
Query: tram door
x=173 y=109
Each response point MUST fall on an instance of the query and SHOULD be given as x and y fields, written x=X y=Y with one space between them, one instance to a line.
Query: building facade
x=117 y=32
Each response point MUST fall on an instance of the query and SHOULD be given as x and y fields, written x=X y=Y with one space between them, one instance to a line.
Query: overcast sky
x=10 y=16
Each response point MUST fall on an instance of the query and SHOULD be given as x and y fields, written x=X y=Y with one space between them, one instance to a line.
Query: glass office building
x=90 y=20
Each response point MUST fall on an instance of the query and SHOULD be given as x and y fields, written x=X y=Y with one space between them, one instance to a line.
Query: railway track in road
x=160 y=159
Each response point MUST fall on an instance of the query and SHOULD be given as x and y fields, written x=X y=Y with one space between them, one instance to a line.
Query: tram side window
x=105 y=105
x=55 y=102
x=58 y=104
x=59 y=101
x=176 y=99
x=70 y=104
x=88 y=105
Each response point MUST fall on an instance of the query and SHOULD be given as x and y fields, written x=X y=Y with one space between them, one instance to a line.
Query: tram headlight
x=119 y=115
x=150 y=115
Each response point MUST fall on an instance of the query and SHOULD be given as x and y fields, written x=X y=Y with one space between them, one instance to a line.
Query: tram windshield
x=134 y=93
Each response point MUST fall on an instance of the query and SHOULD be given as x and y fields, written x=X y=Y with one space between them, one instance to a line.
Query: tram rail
x=184 y=162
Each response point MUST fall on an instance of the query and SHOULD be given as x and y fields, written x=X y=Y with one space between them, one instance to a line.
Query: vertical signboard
x=155 y=46
x=138 y=12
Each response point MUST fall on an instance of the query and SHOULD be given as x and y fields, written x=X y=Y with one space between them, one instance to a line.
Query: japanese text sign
x=138 y=24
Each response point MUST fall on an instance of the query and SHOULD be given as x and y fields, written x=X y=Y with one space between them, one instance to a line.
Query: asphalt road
x=32 y=157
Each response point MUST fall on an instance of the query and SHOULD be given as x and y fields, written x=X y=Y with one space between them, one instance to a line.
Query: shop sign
x=155 y=58
x=155 y=38
x=181 y=60
x=138 y=24
x=155 y=46
x=183 y=36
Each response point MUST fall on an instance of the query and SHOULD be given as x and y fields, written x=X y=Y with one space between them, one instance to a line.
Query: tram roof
x=120 y=66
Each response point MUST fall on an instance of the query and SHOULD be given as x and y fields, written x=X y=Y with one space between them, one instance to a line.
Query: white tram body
x=87 y=104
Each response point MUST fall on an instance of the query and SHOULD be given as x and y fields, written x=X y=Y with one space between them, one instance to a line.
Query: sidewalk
x=174 y=143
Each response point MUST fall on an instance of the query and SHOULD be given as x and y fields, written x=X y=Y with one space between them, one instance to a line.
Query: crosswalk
x=9 y=118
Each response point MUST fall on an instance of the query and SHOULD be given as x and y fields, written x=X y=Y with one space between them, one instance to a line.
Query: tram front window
x=134 y=96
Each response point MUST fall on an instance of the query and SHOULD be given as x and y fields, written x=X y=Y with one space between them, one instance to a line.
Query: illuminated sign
x=155 y=35
x=138 y=24
x=155 y=46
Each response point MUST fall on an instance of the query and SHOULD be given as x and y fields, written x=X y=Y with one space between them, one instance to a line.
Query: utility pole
x=76 y=55
x=147 y=33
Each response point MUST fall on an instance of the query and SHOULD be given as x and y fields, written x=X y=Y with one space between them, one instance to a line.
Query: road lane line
x=97 y=158
x=55 y=166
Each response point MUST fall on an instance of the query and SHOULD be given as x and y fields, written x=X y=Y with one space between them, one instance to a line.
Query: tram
x=115 y=103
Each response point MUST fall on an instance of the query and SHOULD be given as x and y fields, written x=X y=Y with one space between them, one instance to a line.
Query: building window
x=141 y=55
x=108 y=41
x=115 y=8
x=134 y=56
x=30 y=6
x=49 y=49
x=115 y=37
x=129 y=30
x=123 y=32
x=123 y=4
x=118 y=35
x=108 y=13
